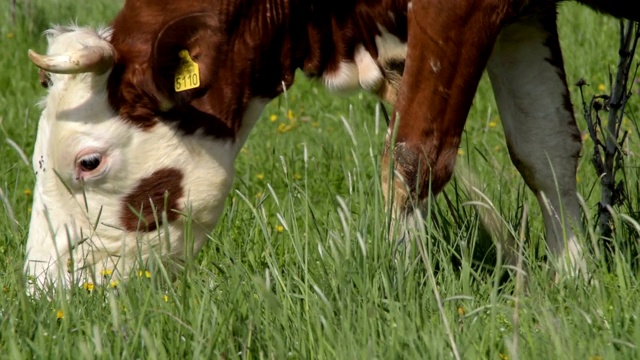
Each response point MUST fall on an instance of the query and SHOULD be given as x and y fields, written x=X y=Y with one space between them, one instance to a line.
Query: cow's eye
x=90 y=162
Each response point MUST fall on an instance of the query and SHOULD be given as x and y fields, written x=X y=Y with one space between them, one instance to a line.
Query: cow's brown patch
x=150 y=198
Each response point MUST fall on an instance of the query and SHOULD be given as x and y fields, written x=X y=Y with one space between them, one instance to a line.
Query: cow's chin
x=108 y=257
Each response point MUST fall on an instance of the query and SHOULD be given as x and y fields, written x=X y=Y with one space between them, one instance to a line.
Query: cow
x=143 y=120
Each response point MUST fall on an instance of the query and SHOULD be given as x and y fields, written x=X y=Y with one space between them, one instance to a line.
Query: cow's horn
x=96 y=59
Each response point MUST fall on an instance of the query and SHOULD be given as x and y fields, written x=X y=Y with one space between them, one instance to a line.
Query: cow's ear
x=190 y=38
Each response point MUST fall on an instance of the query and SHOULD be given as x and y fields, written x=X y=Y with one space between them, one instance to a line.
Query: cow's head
x=111 y=190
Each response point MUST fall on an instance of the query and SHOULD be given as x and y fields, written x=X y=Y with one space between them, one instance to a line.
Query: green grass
x=299 y=266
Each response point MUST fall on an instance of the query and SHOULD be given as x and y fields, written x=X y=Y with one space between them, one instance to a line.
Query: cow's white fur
x=369 y=74
x=530 y=93
x=345 y=78
x=77 y=115
x=390 y=47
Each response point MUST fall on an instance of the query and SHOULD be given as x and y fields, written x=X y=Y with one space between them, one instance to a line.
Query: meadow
x=300 y=266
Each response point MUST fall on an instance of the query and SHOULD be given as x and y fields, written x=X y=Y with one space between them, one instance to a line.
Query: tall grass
x=299 y=265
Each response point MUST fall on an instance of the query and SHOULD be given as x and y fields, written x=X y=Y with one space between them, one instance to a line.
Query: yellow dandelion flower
x=27 y=192
x=290 y=114
x=145 y=273
x=279 y=228
x=460 y=311
x=460 y=152
x=60 y=314
x=585 y=136
x=602 y=87
x=260 y=176
x=492 y=124
x=297 y=176
x=283 y=128
x=166 y=298
x=114 y=283
x=89 y=286
x=273 y=117
x=106 y=272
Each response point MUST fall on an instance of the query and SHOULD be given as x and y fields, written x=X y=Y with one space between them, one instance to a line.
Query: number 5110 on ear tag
x=187 y=74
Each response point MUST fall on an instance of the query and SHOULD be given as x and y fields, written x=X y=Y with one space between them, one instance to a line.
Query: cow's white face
x=109 y=193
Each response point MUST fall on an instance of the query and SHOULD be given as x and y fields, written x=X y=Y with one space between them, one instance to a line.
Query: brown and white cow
x=123 y=159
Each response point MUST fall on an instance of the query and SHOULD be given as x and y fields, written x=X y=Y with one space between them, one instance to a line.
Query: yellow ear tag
x=187 y=74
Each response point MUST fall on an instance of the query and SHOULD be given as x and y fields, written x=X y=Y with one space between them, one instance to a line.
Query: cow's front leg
x=449 y=43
